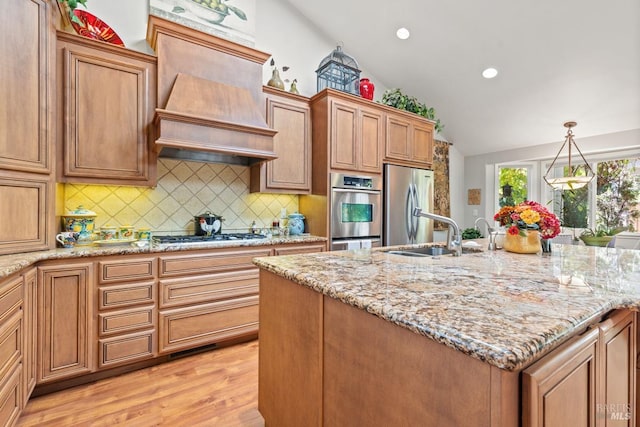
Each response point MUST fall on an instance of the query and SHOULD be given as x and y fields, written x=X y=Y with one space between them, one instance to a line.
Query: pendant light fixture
x=571 y=182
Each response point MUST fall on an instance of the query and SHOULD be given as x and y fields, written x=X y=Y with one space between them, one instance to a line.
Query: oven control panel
x=339 y=180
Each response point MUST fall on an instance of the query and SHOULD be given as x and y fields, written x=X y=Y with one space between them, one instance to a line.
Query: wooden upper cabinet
x=290 y=115
x=356 y=136
x=106 y=103
x=25 y=113
x=348 y=135
x=26 y=199
x=343 y=139
x=371 y=129
x=409 y=140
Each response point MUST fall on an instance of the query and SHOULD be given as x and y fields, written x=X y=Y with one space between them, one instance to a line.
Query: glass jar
x=296 y=224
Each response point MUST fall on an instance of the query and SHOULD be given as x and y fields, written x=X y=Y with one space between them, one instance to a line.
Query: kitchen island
x=367 y=337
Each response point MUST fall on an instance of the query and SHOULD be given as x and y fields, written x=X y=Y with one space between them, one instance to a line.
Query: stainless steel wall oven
x=356 y=210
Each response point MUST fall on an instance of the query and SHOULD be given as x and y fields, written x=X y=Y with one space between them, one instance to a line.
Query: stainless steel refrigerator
x=405 y=189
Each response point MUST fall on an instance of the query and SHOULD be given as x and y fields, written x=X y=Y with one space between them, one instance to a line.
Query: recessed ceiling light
x=489 y=73
x=403 y=33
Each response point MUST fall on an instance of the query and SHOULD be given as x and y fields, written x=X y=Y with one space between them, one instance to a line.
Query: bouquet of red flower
x=528 y=215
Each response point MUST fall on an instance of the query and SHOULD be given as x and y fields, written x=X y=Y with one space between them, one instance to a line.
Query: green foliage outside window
x=517 y=179
x=618 y=194
x=574 y=202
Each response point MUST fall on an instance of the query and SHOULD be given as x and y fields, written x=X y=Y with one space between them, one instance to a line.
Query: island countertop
x=502 y=308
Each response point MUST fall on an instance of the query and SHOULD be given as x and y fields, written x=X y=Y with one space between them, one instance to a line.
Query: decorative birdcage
x=339 y=71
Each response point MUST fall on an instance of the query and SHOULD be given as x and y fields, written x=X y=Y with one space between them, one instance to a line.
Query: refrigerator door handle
x=408 y=220
x=415 y=219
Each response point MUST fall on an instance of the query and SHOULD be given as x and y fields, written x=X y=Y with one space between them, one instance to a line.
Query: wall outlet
x=475 y=212
x=283 y=213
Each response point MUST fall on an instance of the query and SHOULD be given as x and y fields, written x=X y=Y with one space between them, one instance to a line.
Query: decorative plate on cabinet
x=92 y=27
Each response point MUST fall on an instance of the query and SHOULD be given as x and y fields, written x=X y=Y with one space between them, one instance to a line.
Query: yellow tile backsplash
x=184 y=189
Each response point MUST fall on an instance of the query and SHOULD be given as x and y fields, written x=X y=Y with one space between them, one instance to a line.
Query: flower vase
x=529 y=244
x=366 y=88
x=546 y=246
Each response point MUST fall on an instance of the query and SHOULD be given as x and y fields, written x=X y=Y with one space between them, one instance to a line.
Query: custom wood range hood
x=210 y=102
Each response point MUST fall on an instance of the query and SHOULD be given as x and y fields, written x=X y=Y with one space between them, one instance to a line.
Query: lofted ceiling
x=557 y=61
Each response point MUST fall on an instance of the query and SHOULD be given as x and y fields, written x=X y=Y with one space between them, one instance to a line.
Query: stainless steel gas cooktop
x=211 y=238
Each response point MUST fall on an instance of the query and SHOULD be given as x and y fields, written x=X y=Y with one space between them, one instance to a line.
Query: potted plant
x=395 y=98
x=601 y=236
x=70 y=6
x=471 y=233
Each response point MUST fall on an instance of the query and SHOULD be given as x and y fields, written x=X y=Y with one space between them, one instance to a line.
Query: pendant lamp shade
x=571 y=181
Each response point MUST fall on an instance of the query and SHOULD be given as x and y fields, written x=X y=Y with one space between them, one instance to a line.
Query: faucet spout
x=454 y=244
x=491 y=231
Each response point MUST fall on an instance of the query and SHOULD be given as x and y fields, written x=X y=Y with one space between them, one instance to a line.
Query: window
x=513 y=185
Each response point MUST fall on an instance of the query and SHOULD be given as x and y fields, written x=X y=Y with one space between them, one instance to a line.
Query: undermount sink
x=430 y=251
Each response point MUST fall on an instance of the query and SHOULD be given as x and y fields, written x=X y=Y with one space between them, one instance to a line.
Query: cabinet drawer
x=121 y=321
x=306 y=249
x=202 y=289
x=126 y=295
x=126 y=349
x=210 y=262
x=10 y=400
x=10 y=296
x=209 y=323
x=126 y=270
x=10 y=343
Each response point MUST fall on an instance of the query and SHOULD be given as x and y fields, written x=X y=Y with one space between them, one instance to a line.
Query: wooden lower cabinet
x=12 y=349
x=190 y=327
x=65 y=320
x=11 y=397
x=30 y=346
x=300 y=249
x=618 y=349
x=126 y=310
x=589 y=381
x=207 y=297
x=324 y=363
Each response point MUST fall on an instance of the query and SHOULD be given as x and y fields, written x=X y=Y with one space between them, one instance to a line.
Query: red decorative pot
x=366 y=88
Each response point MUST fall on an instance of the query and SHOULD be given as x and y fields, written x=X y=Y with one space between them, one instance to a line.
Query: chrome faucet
x=455 y=244
x=491 y=231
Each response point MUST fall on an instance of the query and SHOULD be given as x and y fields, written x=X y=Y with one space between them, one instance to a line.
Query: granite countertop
x=10 y=264
x=502 y=308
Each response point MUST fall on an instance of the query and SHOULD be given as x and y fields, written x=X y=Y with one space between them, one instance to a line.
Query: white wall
x=290 y=38
x=479 y=170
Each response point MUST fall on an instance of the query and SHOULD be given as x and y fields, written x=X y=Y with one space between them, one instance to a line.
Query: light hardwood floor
x=216 y=388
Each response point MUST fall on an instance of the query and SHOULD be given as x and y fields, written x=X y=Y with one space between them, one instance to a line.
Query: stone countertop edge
x=10 y=264
x=522 y=313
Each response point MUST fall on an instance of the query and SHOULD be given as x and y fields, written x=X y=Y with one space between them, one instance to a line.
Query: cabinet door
x=30 y=346
x=25 y=111
x=371 y=140
x=560 y=389
x=107 y=109
x=291 y=171
x=344 y=119
x=65 y=312
x=25 y=200
x=398 y=138
x=617 y=369
x=423 y=144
